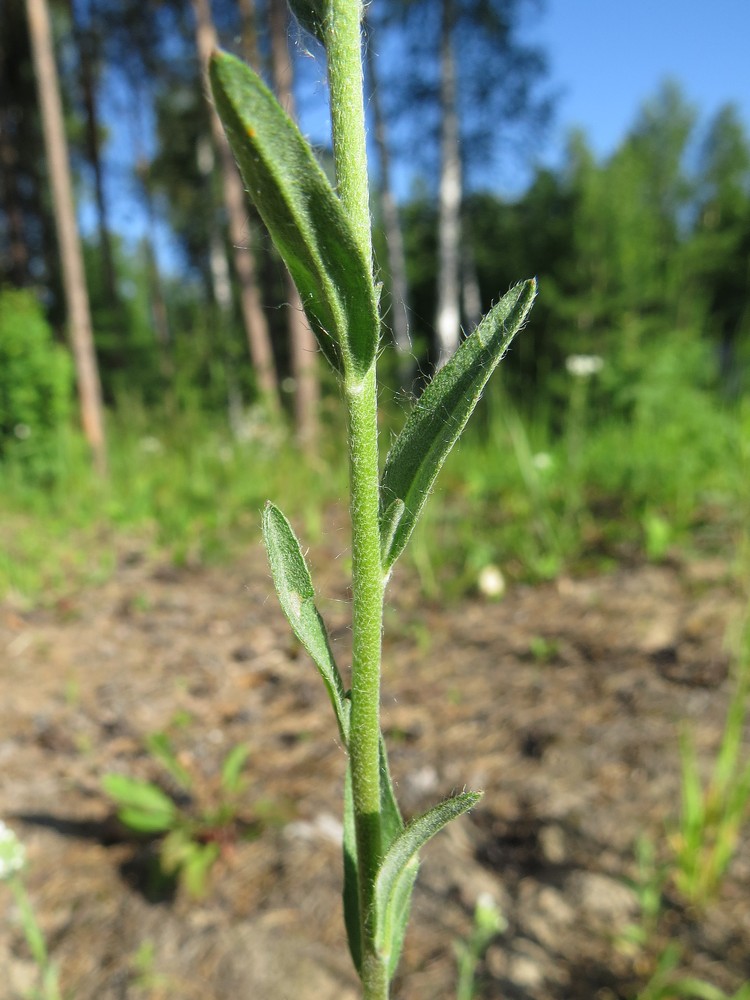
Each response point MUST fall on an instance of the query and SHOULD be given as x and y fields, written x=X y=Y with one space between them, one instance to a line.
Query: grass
x=183 y=487
x=160 y=499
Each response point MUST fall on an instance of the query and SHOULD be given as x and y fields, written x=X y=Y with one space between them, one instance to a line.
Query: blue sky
x=606 y=57
x=609 y=56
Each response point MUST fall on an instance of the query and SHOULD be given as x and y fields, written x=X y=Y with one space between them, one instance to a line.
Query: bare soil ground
x=563 y=701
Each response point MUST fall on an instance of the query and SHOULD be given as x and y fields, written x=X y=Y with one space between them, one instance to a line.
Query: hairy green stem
x=343 y=39
x=344 y=49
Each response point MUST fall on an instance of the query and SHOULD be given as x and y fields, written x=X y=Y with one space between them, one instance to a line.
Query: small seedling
x=324 y=238
x=194 y=835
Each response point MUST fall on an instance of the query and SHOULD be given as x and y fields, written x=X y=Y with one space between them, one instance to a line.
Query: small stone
x=552 y=843
x=603 y=897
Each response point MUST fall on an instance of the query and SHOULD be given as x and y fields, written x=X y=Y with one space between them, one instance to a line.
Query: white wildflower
x=542 y=461
x=491 y=581
x=584 y=365
x=12 y=852
x=151 y=446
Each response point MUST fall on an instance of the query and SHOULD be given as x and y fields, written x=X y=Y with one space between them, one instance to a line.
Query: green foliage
x=36 y=385
x=192 y=835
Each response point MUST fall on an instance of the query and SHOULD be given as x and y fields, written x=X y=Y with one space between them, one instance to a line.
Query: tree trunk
x=256 y=326
x=399 y=317
x=301 y=338
x=86 y=50
x=221 y=290
x=471 y=296
x=18 y=248
x=448 y=318
x=71 y=257
x=249 y=33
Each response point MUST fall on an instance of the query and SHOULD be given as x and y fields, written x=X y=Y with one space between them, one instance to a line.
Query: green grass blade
x=294 y=587
x=231 y=769
x=303 y=215
x=398 y=870
x=439 y=416
x=160 y=746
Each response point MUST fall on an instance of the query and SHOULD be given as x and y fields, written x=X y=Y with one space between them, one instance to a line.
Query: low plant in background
x=12 y=863
x=705 y=839
x=488 y=923
x=36 y=389
x=325 y=240
x=196 y=825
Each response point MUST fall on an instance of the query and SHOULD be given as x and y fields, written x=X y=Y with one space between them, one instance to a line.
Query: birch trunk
x=448 y=317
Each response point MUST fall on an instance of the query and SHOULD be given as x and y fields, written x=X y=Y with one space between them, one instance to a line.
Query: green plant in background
x=648 y=886
x=706 y=837
x=193 y=834
x=488 y=923
x=324 y=238
x=36 y=387
x=12 y=863
x=667 y=984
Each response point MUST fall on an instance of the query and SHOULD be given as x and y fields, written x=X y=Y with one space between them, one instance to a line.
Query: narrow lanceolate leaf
x=294 y=587
x=303 y=215
x=391 y=825
x=398 y=870
x=439 y=416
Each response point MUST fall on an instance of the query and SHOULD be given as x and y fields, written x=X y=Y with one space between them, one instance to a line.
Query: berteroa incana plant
x=324 y=237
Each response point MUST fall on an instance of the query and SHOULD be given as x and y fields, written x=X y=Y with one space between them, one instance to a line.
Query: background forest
x=617 y=424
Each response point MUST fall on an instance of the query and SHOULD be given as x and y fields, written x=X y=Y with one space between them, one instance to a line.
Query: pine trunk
x=71 y=257
x=301 y=337
x=256 y=325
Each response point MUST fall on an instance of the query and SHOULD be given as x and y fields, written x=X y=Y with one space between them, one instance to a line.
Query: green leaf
x=294 y=587
x=391 y=821
x=311 y=14
x=303 y=215
x=194 y=870
x=439 y=416
x=391 y=826
x=398 y=870
x=231 y=769
x=142 y=806
x=351 y=880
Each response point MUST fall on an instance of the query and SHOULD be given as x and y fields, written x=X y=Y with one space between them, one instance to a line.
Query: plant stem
x=367 y=593
x=344 y=50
